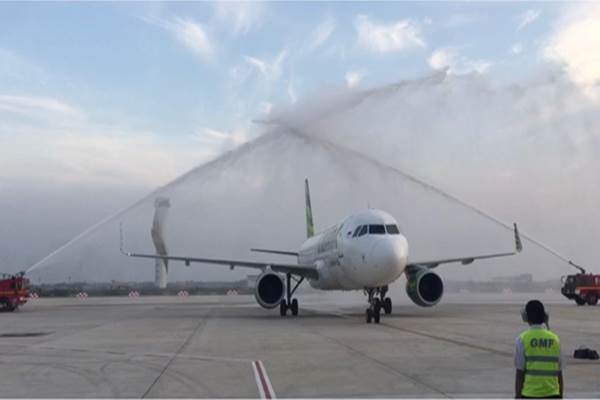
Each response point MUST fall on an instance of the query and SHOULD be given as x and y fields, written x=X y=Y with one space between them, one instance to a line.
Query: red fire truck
x=583 y=287
x=14 y=291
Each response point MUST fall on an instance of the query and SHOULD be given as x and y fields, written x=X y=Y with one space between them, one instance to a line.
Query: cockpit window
x=356 y=231
x=363 y=230
x=392 y=229
x=376 y=230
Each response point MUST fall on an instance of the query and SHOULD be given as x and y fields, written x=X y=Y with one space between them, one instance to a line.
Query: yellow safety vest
x=542 y=355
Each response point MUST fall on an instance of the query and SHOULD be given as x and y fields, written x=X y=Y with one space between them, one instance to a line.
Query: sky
x=100 y=103
x=190 y=77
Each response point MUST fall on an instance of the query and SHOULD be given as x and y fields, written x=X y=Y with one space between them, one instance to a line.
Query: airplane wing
x=466 y=260
x=306 y=271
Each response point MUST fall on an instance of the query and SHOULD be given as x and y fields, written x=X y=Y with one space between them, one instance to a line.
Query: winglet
x=518 y=243
x=310 y=227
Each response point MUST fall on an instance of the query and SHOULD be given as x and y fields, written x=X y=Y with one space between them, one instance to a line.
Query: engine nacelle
x=269 y=290
x=424 y=287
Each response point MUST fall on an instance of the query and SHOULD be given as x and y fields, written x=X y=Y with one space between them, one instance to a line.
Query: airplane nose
x=389 y=255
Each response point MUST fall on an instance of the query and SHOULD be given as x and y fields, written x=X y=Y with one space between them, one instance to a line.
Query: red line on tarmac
x=262 y=380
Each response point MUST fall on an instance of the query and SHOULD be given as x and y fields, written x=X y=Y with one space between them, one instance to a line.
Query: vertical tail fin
x=310 y=227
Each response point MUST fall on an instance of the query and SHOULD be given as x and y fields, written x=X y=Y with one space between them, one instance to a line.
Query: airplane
x=365 y=251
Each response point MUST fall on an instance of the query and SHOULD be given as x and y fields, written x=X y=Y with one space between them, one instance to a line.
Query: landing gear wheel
x=376 y=316
x=294 y=307
x=579 y=301
x=387 y=305
x=377 y=302
x=592 y=299
x=283 y=307
x=377 y=311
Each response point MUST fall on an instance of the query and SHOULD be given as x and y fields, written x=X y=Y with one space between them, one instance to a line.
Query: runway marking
x=387 y=367
x=262 y=380
x=449 y=340
x=429 y=335
x=198 y=329
x=198 y=357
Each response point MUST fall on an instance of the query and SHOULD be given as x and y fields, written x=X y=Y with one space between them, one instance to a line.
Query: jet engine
x=269 y=289
x=424 y=287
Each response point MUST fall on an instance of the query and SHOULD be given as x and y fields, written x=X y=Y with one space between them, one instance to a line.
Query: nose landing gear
x=377 y=302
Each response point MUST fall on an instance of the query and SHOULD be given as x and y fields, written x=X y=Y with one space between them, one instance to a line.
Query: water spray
x=426 y=186
x=348 y=101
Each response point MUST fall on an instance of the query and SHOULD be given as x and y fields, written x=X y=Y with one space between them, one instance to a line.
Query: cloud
x=256 y=81
x=270 y=70
x=192 y=35
x=527 y=18
x=391 y=37
x=48 y=140
x=516 y=48
x=220 y=141
x=258 y=63
x=353 y=78
x=575 y=42
x=321 y=33
x=189 y=33
x=28 y=104
x=441 y=58
x=90 y=155
x=265 y=107
x=242 y=17
x=450 y=58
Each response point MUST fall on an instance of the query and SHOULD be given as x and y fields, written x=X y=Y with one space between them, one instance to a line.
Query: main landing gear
x=377 y=302
x=288 y=303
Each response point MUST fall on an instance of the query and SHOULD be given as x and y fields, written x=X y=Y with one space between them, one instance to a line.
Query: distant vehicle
x=583 y=287
x=14 y=291
x=365 y=251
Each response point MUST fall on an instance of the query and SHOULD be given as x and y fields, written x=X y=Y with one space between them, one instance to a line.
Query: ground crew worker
x=537 y=356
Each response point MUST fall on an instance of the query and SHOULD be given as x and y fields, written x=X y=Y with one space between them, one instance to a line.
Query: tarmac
x=227 y=346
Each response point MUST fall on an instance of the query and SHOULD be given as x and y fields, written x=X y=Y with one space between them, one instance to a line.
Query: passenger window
x=376 y=230
x=363 y=230
x=356 y=231
x=392 y=229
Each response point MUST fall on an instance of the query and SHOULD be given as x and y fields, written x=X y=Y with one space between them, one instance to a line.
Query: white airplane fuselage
x=365 y=250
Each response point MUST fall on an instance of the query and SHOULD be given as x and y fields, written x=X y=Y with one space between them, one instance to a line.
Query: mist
x=526 y=152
